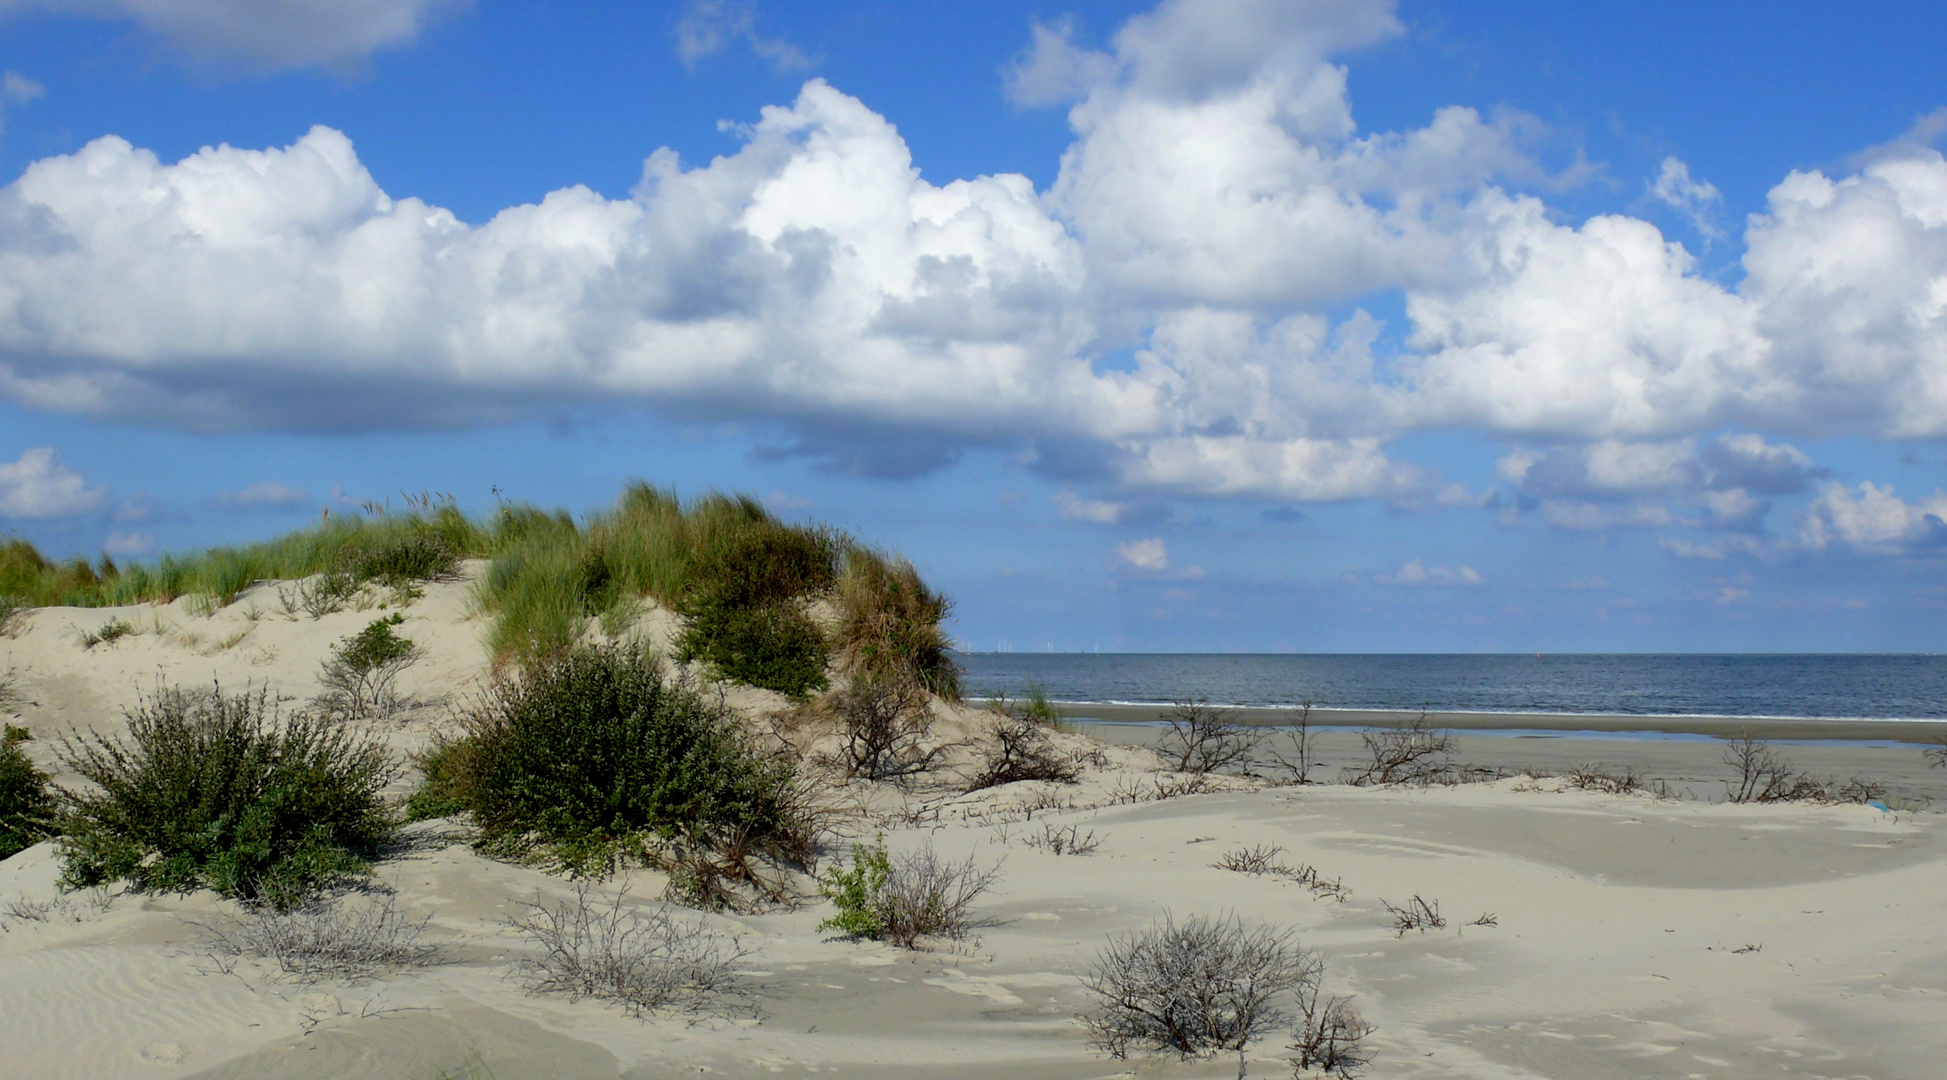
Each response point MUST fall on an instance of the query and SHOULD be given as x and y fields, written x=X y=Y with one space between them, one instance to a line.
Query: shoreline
x=1912 y=732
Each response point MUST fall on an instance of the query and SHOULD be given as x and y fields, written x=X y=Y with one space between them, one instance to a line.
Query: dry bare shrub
x=1021 y=751
x=1937 y=754
x=1263 y=859
x=886 y=719
x=1415 y=752
x=1260 y=859
x=1202 y=739
x=1486 y=918
x=1415 y=914
x=330 y=937
x=646 y=962
x=1764 y=776
x=1196 y=987
x=1304 y=758
x=1329 y=1035
x=1064 y=840
x=1626 y=782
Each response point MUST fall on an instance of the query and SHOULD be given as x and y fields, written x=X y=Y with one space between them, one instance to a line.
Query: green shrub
x=777 y=647
x=26 y=802
x=222 y=792
x=858 y=893
x=438 y=793
x=745 y=606
x=597 y=757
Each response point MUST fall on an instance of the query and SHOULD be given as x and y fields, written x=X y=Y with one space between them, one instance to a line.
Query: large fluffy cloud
x=1157 y=321
x=267 y=34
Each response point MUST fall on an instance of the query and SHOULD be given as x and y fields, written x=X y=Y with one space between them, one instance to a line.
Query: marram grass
x=746 y=581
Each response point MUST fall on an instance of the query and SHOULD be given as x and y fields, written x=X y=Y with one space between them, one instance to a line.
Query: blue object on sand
x=1877 y=805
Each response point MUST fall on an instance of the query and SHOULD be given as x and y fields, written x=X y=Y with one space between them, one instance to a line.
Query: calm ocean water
x=1839 y=686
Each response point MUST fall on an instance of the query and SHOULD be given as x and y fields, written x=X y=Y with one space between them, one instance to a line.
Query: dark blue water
x=1847 y=686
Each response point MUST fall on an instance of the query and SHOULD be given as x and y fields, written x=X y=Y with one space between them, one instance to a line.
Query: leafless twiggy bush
x=593 y=946
x=886 y=717
x=1415 y=752
x=1415 y=914
x=927 y=896
x=1195 y=987
x=332 y=937
x=1329 y=1035
x=1064 y=840
x=1304 y=757
x=1203 y=740
x=1260 y=859
x=1263 y=859
x=1486 y=918
x=1021 y=751
x=1761 y=775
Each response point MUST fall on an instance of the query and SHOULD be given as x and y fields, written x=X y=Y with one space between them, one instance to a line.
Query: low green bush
x=597 y=757
x=220 y=791
x=776 y=647
x=26 y=802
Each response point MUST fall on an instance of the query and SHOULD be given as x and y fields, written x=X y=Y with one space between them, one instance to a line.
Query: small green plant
x=357 y=680
x=597 y=759
x=220 y=791
x=107 y=633
x=858 y=892
x=26 y=801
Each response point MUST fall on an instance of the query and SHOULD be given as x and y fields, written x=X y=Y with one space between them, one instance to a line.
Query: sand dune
x=1630 y=937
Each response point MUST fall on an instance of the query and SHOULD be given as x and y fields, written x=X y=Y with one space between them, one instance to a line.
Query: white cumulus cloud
x=38 y=486
x=1215 y=216
x=1873 y=519
x=1417 y=573
x=1149 y=555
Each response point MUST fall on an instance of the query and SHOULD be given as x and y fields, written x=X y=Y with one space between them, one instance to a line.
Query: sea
x=1832 y=687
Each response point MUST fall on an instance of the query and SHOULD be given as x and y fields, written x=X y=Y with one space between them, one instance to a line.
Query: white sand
x=1616 y=953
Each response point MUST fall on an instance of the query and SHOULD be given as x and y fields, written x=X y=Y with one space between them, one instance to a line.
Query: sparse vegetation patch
x=594 y=946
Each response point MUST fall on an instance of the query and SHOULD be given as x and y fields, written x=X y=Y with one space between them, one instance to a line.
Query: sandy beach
x=1587 y=935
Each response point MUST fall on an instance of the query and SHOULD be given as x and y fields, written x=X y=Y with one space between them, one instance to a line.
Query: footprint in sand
x=164 y=1053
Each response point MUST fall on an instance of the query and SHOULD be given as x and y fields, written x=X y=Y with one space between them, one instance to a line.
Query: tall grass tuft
x=219 y=791
x=889 y=622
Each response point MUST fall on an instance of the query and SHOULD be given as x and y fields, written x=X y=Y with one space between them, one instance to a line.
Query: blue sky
x=1322 y=325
